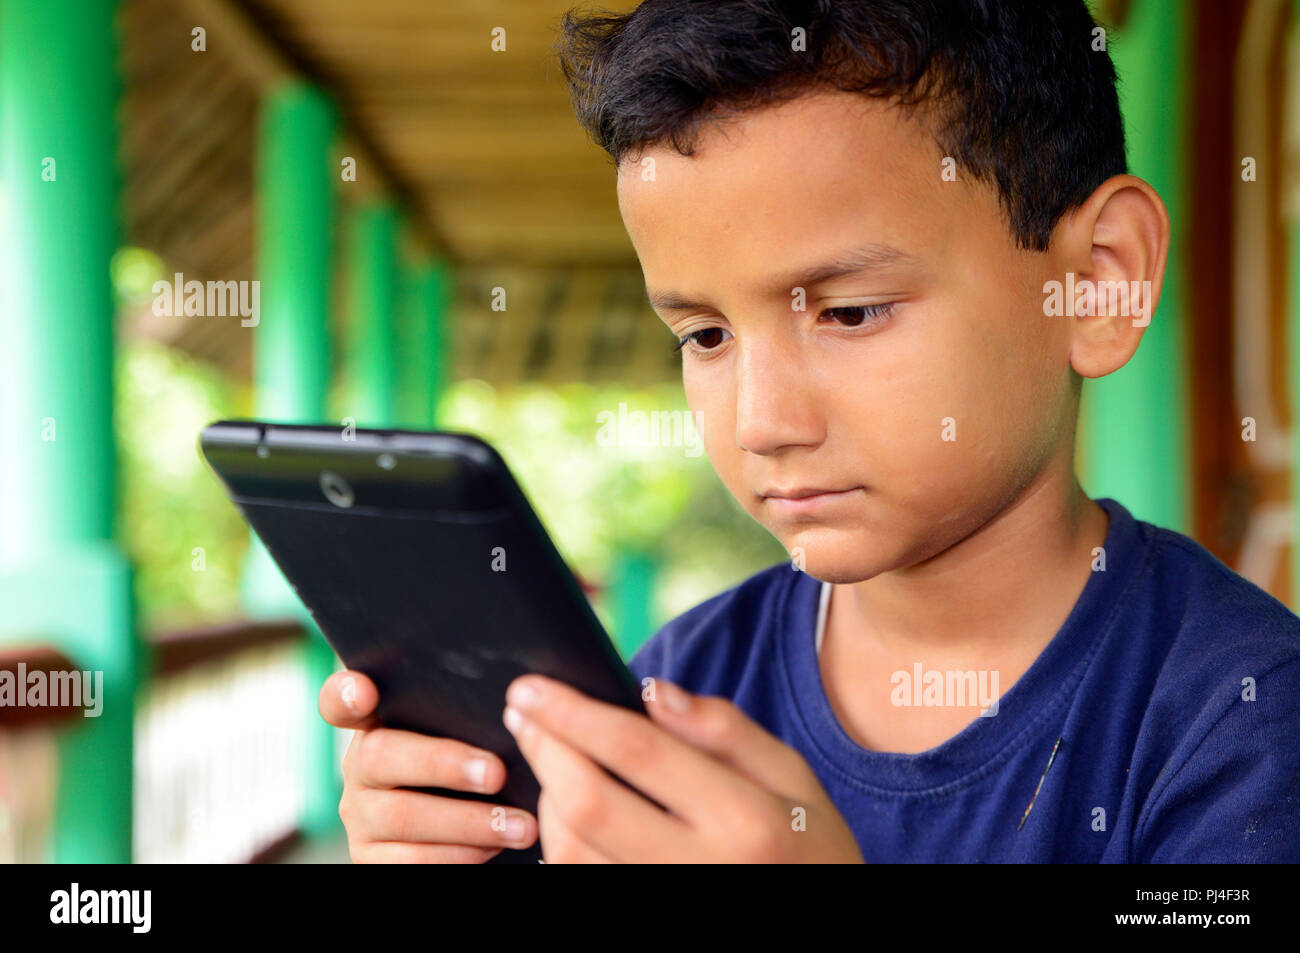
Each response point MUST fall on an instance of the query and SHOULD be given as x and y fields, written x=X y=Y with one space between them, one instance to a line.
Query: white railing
x=219 y=756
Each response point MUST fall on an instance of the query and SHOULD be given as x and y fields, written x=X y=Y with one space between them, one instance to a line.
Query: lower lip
x=807 y=504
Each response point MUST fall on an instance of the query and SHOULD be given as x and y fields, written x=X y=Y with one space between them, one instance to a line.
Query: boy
x=850 y=213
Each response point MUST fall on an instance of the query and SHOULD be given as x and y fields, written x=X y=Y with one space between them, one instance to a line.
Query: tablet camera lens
x=336 y=489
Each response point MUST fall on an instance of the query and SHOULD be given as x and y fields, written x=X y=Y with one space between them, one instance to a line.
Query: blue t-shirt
x=1173 y=688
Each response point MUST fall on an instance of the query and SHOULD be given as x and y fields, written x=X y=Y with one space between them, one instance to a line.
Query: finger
x=384 y=852
x=605 y=815
x=391 y=758
x=686 y=781
x=348 y=700
x=419 y=818
x=559 y=844
x=718 y=726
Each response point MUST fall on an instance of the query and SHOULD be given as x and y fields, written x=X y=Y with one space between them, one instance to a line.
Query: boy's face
x=931 y=389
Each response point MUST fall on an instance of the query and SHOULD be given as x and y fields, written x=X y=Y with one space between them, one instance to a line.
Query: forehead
x=816 y=171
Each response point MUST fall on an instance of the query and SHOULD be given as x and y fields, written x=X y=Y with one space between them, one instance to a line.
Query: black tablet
x=425 y=567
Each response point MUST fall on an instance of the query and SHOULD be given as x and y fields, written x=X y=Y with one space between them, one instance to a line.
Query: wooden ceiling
x=479 y=147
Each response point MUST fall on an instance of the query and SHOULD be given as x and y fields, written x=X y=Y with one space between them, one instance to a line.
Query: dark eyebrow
x=852 y=262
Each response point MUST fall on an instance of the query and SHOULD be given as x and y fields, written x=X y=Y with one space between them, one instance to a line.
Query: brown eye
x=856 y=314
x=706 y=339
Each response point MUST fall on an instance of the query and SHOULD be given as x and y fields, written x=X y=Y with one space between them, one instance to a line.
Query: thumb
x=348 y=700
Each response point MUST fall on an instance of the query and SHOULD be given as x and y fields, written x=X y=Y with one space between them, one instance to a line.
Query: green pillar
x=291 y=359
x=63 y=580
x=371 y=394
x=296 y=203
x=291 y=344
x=632 y=589
x=422 y=344
x=1133 y=430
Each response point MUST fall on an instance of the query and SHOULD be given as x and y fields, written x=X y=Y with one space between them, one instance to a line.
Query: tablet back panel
x=435 y=579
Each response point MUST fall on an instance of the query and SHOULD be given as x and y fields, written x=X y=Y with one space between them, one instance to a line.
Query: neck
x=1013 y=580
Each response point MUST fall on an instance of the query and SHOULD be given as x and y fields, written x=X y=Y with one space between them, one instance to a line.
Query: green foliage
x=171 y=503
x=134 y=271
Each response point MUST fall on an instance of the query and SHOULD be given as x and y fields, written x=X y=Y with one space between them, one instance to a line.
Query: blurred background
x=433 y=242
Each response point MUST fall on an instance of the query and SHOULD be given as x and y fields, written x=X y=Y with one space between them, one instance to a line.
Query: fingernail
x=524 y=696
x=476 y=772
x=349 y=694
x=674 y=698
x=516 y=826
x=513 y=720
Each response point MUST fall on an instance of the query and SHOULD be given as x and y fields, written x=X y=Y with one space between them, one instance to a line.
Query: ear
x=1115 y=245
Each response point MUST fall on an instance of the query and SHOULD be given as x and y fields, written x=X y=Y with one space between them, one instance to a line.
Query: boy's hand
x=386 y=825
x=733 y=792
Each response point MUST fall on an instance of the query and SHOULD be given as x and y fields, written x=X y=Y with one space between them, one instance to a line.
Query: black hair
x=1022 y=91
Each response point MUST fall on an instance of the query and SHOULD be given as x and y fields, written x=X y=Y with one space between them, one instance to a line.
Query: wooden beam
x=228 y=23
x=269 y=63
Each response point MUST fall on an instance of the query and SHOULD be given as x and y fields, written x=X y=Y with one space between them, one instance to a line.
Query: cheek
x=709 y=397
x=960 y=408
x=893 y=395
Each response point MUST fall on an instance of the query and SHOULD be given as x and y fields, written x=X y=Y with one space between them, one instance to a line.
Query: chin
x=842 y=573
x=837 y=556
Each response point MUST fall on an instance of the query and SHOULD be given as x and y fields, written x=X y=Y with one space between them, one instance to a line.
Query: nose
x=776 y=404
